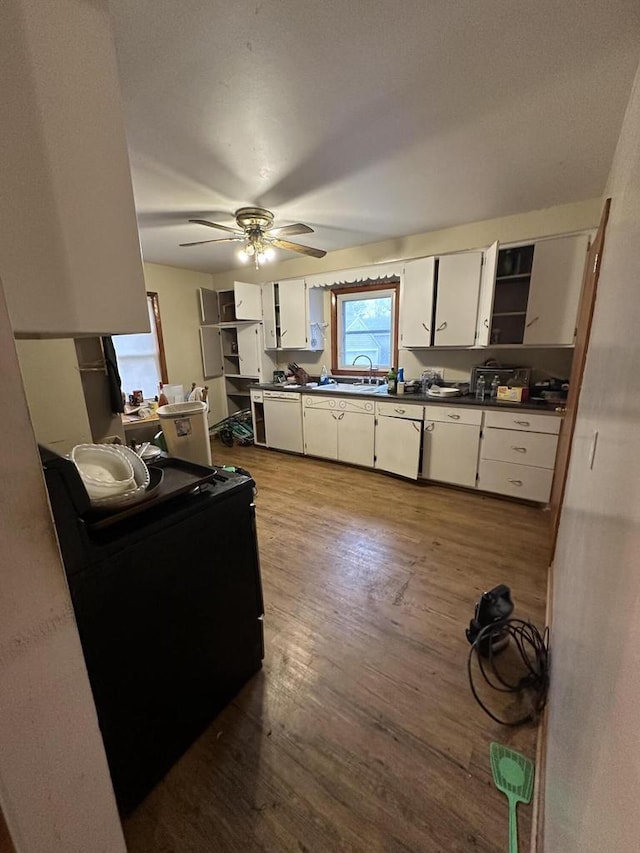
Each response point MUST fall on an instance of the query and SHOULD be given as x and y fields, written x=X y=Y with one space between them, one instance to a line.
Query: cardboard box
x=512 y=393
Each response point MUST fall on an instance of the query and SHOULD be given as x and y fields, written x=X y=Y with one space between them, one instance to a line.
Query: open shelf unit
x=511 y=295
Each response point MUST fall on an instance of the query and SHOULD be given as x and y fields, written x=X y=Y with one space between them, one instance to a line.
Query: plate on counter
x=442 y=392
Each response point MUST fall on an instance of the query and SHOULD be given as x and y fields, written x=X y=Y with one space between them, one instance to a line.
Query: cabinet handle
x=519 y=449
x=430 y=427
x=454 y=417
x=486 y=324
x=273 y=334
x=426 y=328
x=238 y=304
x=442 y=326
x=522 y=423
x=531 y=322
x=516 y=482
x=415 y=426
x=399 y=411
x=334 y=416
x=340 y=416
x=283 y=333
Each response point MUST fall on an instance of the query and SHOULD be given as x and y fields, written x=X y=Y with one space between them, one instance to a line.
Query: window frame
x=154 y=303
x=392 y=284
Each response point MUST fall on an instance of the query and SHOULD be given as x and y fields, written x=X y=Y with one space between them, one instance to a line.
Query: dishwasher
x=283 y=420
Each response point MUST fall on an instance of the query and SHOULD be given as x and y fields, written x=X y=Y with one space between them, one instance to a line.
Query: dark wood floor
x=360 y=733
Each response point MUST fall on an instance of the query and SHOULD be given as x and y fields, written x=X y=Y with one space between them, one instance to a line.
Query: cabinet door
x=211 y=349
x=248 y=301
x=416 y=303
x=554 y=290
x=355 y=438
x=397 y=446
x=457 y=299
x=450 y=452
x=485 y=303
x=321 y=433
x=293 y=314
x=269 y=316
x=249 y=357
x=209 y=307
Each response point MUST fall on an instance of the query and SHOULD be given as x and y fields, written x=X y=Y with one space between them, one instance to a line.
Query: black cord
x=533 y=648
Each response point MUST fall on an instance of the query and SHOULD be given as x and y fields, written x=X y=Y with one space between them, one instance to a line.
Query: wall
x=177 y=291
x=54 y=393
x=510 y=229
x=55 y=790
x=593 y=751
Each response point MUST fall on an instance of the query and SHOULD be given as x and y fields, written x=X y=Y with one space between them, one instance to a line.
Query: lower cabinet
x=451 y=444
x=335 y=428
x=398 y=438
x=517 y=455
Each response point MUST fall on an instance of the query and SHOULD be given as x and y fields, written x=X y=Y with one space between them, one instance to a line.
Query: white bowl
x=105 y=471
x=440 y=391
x=134 y=494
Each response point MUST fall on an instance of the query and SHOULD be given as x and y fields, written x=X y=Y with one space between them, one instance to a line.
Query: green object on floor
x=513 y=775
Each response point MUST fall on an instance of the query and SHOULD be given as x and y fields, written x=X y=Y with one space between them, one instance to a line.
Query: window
x=364 y=322
x=141 y=360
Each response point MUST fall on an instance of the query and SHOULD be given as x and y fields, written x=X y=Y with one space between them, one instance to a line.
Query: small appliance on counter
x=507 y=376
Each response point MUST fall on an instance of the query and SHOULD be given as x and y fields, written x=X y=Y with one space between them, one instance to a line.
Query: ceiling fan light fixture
x=243 y=255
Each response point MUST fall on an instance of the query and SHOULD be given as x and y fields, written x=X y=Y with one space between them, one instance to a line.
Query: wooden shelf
x=514 y=277
x=510 y=314
x=238 y=393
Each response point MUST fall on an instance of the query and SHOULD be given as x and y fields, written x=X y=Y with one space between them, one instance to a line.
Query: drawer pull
x=283 y=332
x=486 y=324
x=415 y=426
x=400 y=411
x=340 y=416
x=442 y=326
x=454 y=417
x=519 y=449
x=516 y=482
x=531 y=322
x=426 y=328
x=430 y=427
x=523 y=423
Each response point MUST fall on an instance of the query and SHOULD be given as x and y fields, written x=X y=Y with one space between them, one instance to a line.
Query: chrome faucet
x=363 y=355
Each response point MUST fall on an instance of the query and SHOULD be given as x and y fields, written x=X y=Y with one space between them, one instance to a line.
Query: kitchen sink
x=349 y=388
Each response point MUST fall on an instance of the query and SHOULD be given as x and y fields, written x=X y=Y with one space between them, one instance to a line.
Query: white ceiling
x=366 y=119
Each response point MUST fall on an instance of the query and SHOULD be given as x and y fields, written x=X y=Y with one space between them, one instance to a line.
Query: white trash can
x=186 y=431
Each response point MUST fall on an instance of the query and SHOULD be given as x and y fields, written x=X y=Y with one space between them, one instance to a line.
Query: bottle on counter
x=162 y=397
x=400 y=381
x=324 y=375
x=391 y=381
x=480 y=388
x=494 y=387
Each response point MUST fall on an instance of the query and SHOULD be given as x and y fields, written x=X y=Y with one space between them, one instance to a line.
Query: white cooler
x=186 y=431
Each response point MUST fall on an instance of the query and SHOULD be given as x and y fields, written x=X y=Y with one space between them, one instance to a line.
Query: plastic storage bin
x=186 y=431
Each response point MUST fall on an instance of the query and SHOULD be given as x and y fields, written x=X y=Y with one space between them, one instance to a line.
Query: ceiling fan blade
x=297 y=247
x=215 y=225
x=290 y=230
x=220 y=240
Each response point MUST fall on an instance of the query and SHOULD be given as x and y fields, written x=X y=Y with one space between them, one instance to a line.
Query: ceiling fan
x=259 y=237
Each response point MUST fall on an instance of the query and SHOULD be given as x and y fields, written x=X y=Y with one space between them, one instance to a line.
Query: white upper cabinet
x=532 y=293
x=269 y=315
x=248 y=300
x=70 y=262
x=554 y=290
x=485 y=302
x=416 y=303
x=293 y=314
x=249 y=350
x=209 y=306
x=458 y=286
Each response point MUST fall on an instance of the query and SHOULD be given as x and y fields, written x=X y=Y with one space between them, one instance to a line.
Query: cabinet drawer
x=399 y=410
x=518 y=481
x=522 y=448
x=458 y=415
x=523 y=421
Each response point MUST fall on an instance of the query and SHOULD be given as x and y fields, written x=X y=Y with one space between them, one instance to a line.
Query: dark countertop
x=544 y=408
